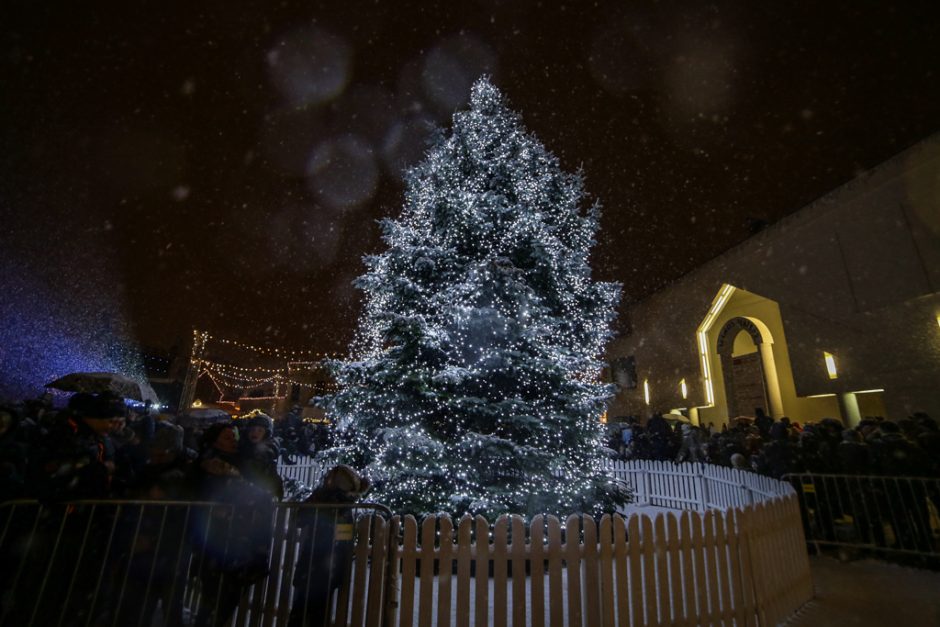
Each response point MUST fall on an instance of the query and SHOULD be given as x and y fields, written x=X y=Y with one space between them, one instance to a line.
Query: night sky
x=222 y=165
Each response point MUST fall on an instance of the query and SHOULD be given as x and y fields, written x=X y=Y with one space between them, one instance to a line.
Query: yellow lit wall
x=871 y=404
x=766 y=314
x=854 y=273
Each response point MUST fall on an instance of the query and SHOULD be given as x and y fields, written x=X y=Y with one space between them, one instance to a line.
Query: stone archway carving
x=731 y=330
x=725 y=348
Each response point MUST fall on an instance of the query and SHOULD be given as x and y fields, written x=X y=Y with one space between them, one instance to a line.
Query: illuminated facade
x=833 y=311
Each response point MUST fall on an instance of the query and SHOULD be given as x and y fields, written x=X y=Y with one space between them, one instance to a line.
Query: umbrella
x=98 y=382
x=203 y=418
x=677 y=417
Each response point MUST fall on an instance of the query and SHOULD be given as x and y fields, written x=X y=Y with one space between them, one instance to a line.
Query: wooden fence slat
x=357 y=585
x=620 y=570
x=590 y=601
x=744 y=521
x=464 y=538
x=499 y=571
x=662 y=569
x=673 y=548
x=786 y=538
x=573 y=563
x=555 y=593
x=375 y=598
x=688 y=573
x=409 y=551
x=426 y=553
x=758 y=556
x=445 y=568
x=537 y=569
x=723 y=584
x=634 y=547
x=649 y=570
x=606 y=565
x=391 y=594
x=739 y=599
x=711 y=567
x=698 y=560
x=481 y=568
x=518 y=559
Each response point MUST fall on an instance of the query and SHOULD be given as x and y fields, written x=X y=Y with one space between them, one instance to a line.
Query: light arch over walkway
x=715 y=352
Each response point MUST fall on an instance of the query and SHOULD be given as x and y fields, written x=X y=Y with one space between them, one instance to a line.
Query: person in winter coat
x=259 y=454
x=153 y=535
x=13 y=456
x=326 y=546
x=778 y=457
x=232 y=541
x=74 y=460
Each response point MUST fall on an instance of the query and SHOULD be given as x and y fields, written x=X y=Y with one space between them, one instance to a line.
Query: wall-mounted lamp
x=646 y=390
x=684 y=389
x=831 y=365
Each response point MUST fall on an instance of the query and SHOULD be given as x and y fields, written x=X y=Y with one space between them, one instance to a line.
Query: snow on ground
x=871 y=593
x=646 y=510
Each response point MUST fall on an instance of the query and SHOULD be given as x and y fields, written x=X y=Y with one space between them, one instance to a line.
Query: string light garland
x=284 y=353
x=236 y=380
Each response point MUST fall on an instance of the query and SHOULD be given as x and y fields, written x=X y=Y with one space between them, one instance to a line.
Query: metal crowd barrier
x=889 y=516
x=146 y=563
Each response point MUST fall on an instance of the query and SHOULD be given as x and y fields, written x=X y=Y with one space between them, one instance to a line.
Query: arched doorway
x=748 y=369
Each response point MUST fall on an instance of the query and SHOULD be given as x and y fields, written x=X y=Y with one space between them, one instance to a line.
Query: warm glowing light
x=831 y=365
x=684 y=389
x=197 y=403
x=717 y=305
x=646 y=391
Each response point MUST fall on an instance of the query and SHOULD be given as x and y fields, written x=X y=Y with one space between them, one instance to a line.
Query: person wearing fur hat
x=326 y=545
x=258 y=455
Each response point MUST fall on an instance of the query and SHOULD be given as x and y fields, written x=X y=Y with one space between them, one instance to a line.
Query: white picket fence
x=698 y=487
x=305 y=470
x=686 y=486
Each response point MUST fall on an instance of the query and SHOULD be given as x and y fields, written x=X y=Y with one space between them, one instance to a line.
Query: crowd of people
x=875 y=446
x=98 y=448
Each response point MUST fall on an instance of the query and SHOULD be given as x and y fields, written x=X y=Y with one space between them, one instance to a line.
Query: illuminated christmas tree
x=473 y=384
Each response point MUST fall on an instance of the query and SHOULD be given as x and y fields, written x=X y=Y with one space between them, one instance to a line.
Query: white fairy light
x=473 y=384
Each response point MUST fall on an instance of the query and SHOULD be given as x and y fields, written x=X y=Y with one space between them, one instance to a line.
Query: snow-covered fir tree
x=473 y=384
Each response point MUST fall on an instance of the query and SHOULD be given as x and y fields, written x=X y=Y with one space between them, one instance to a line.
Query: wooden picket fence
x=732 y=554
x=740 y=567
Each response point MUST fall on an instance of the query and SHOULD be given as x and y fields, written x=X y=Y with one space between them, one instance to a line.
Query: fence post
x=703 y=490
x=749 y=492
x=646 y=486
